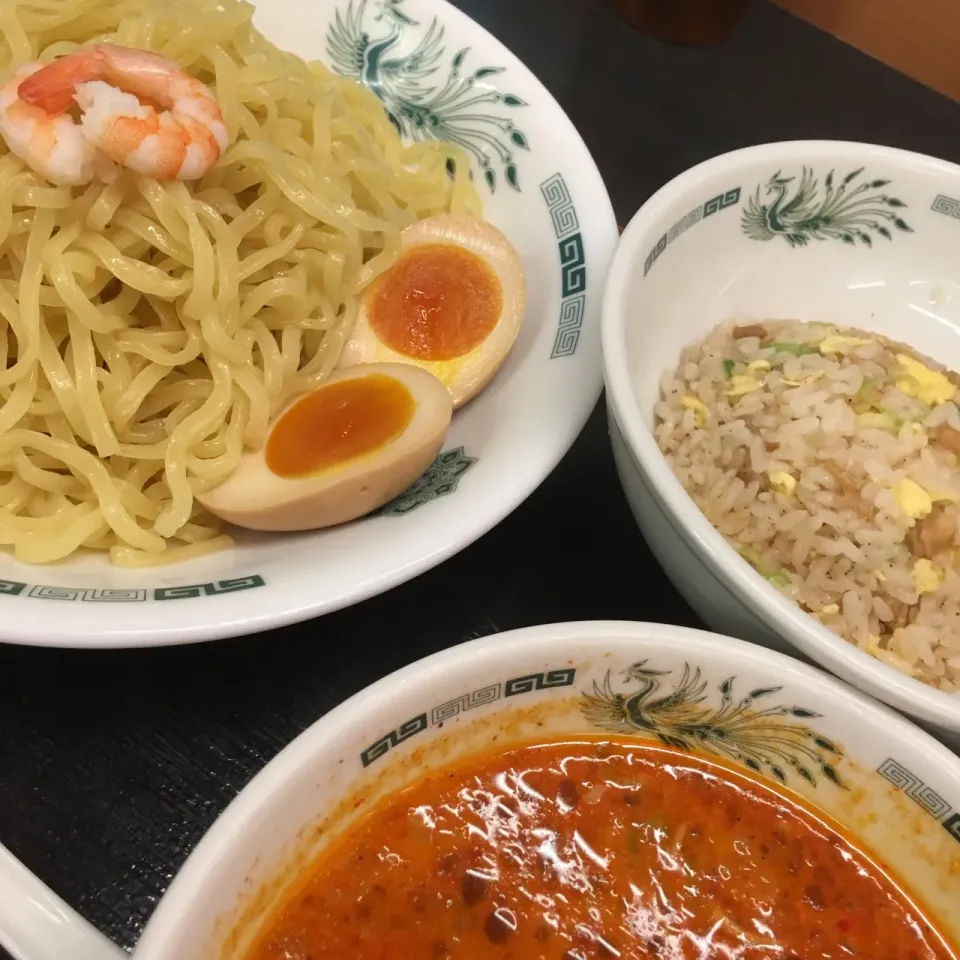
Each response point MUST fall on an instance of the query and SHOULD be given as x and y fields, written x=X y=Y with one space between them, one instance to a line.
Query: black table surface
x=113 y=765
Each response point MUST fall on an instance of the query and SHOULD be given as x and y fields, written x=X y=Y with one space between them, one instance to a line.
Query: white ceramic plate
x=541 y=187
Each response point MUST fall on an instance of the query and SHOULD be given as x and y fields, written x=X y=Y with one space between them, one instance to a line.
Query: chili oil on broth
x=588 y=848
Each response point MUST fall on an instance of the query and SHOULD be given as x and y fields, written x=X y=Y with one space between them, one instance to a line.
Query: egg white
x=258 y=499
x=464 y=376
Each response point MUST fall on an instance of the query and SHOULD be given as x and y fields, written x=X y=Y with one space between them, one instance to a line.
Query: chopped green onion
x=871 y=393
x=728 y=368
x=797 y=349
x=779 y=578
x=749 y=554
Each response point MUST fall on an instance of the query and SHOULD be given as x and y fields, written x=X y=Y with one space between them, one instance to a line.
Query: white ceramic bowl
x=693 y=257
x=892 y=786
x=541 y=187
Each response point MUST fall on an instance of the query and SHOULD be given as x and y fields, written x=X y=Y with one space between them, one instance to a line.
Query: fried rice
x=830 y=459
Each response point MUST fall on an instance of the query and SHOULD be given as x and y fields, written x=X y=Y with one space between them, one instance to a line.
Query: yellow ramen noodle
x=152 y=329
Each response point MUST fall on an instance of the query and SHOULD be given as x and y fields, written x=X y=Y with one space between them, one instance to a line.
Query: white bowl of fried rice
x=781 y=337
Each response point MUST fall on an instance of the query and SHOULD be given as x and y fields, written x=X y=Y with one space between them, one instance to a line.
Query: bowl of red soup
x=582 y=791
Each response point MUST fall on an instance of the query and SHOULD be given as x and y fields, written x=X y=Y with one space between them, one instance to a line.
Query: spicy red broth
x=596 y=849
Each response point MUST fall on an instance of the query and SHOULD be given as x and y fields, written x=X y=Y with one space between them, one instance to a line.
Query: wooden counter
x=921 y=38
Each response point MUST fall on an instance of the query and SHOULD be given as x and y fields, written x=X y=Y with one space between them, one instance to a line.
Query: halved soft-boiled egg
x=452 y=304
x=339 y=452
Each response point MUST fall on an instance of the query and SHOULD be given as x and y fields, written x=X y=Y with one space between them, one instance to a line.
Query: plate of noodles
x=298 y=301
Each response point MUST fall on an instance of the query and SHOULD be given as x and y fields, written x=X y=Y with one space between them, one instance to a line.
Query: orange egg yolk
x=438 y=302
x=337 y=423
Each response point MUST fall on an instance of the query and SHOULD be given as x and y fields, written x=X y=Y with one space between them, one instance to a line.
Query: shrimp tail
x=52 y=88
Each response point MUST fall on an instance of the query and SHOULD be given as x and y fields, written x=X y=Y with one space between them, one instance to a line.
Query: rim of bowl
x=257 y=796
x=827 y=648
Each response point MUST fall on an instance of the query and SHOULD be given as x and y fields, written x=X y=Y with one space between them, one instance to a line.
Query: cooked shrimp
x=180 y=142
x=53 y=146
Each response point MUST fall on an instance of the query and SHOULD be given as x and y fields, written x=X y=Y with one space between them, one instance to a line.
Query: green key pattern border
x=721 y=201
x=39 y=591
x=922 y=794
x=573 y=265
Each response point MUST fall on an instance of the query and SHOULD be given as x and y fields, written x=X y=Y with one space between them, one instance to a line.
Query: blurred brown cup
x=690 y=22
